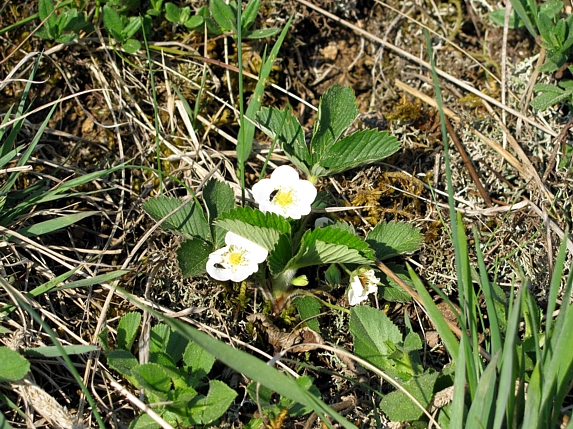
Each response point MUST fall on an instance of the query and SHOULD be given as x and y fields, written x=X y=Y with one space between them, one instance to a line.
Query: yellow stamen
x=284 y=199
x=235 y=258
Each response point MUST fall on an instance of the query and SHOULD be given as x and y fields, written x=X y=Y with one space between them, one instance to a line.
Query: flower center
x=283 y=198
x=236 y=257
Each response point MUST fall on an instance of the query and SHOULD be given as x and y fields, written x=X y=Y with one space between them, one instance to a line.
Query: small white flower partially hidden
x=237 y=260
x=362 y=283
x=284 y=193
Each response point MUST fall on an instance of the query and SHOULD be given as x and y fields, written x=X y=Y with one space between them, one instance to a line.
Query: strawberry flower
x=284 y=193
x=237 y=260
x=362 y=283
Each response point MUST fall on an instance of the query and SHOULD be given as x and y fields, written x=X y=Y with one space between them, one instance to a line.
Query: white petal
x=285 y=174
x=262 y=191
x=256 y=253
x=221 y=274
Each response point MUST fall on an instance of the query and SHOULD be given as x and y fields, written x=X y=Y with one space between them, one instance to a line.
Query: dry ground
x=519 y=227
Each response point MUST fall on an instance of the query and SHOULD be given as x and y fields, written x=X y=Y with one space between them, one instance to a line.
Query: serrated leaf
x=280 y=255
x=549 y=96
x=205 y=410
x=122 y=361
x=219 y=198
x=308 y=307
x=391 y=291
x=154 y=377
x=399 y=408
x=372 y=331
x=13 y=366
x=127 y=329
x=200 y=360
x=223 y=14
x=330 y=245
x=288 y=131
x=192 y=257
x=360 y=148
x=261 y=228
x=189 y=221
x=336 y=112
x=389 y=239
x=159 y=338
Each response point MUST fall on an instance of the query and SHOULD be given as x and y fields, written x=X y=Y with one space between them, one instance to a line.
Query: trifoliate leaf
x=189 y=221
x=389 y=239
x=360 y=148
x=336 y=112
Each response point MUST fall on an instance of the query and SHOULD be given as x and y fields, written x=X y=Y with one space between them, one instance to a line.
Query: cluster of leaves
x=223 y=18
x=173 y=375
x=122 y=21
x=556 y=34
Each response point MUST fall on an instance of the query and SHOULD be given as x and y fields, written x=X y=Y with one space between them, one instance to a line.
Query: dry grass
x=377 y=48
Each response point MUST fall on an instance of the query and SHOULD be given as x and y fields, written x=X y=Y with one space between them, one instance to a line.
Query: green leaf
x=131 y=46
x=390 y=239
x=498 y=18
x=173 y=13
x=261 y=228
x=132 y=27
x=549 y=96
x=336 y=112
x=250 y=14
x=189 y=221
x=360 y=148
x=144 y=422
x=192 y=256
x=159 y=338
x=399 y=408
x=45 y=8
x=122 y=361
x=262 y=33
x=249 y=365
x=13 y=366
x=223 y=14
x=285 y=126
x=52 y=225
x=4 y=422
x=154 y=377
x=330 y=245
x=280 y=255
x=308 y=307
x=194 y=22
x=112 y=22
x=53 y=351
x=373 y=331
x=219 y=198
x=200 y=360
x=391 y=291
x=481 y=412
x=127 y=329
x=205 y=410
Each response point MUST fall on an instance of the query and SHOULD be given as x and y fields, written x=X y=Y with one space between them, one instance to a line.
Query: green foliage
x=13 y=366
x=122 y=28
x=389 y=239
x=551 y=94
x=62 y=26
x=543 y=19
x=328 y=153
x=174 y=374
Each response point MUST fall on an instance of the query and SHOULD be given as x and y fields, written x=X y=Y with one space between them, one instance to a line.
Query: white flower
x=237 y=260
x=362 y=284
x=284 y=193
